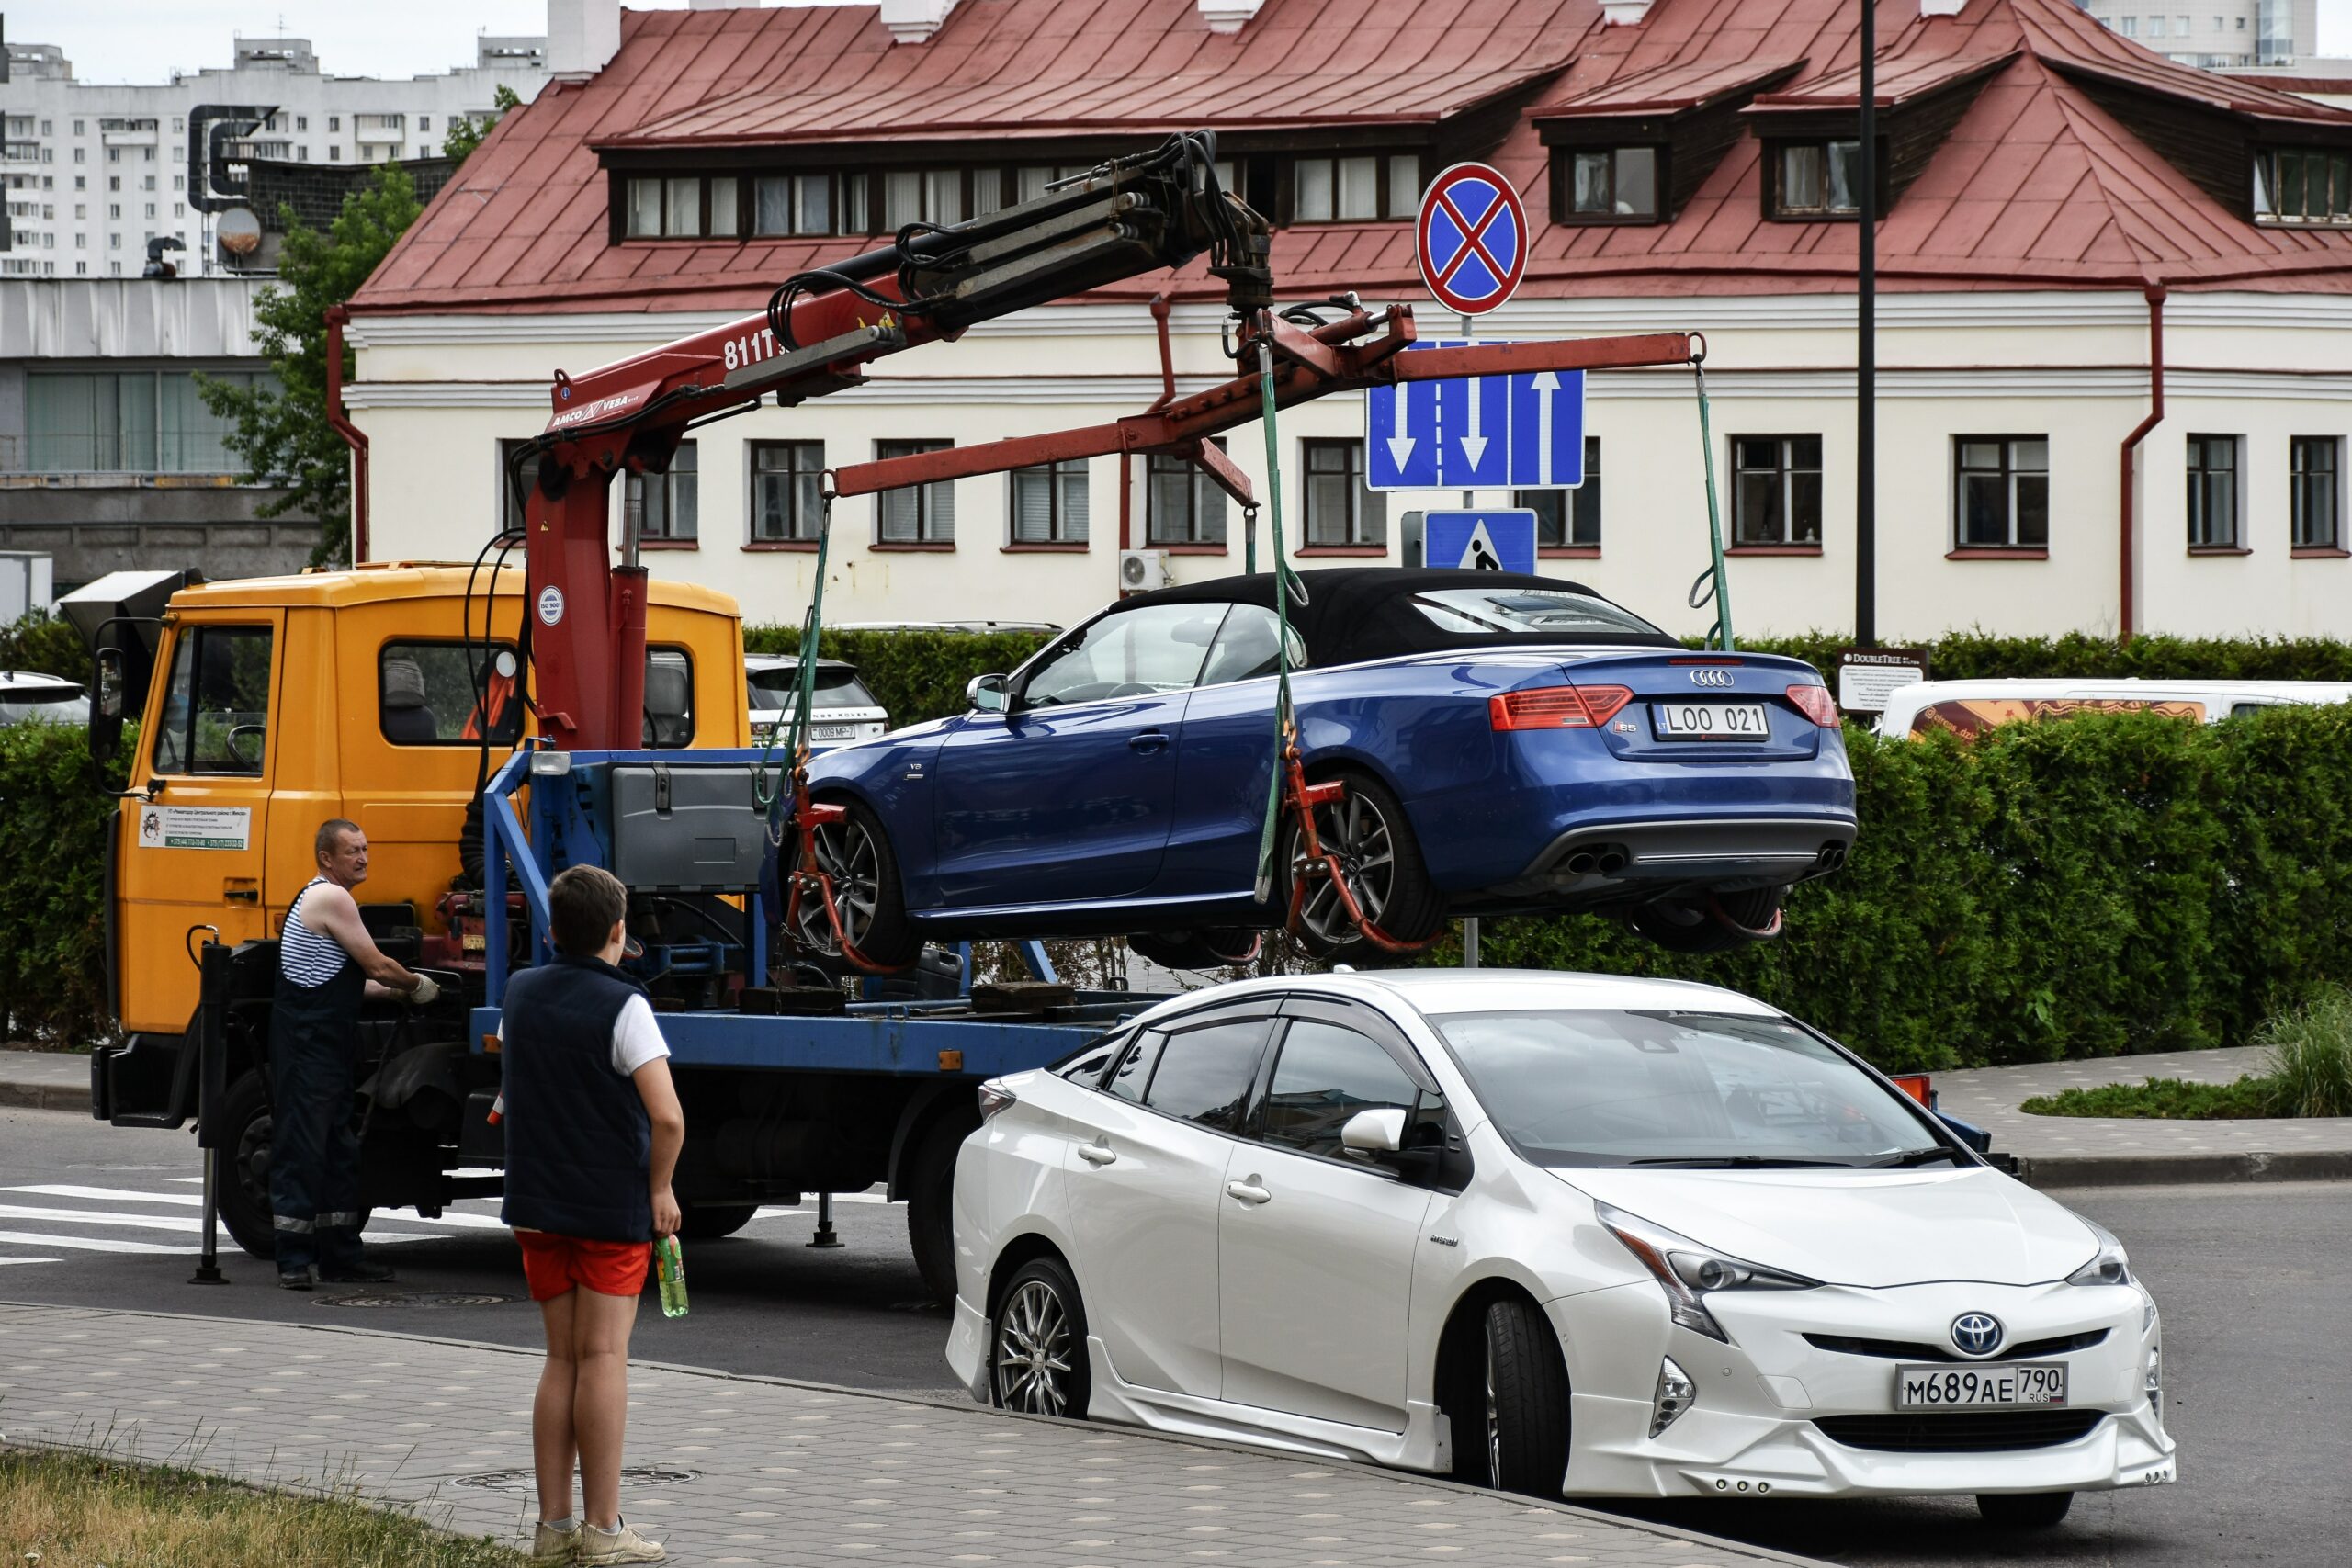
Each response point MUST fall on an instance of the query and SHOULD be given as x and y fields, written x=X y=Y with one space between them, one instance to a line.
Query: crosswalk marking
x=91 y=1244
x=6 y=1261
x=113 y=1194
x=99 y=1217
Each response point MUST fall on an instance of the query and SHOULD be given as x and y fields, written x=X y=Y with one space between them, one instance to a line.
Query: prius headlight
x=1686 y=1271
x=2111 y=1265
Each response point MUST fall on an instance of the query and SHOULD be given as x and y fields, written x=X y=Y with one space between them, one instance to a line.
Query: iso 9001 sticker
x=2012 y=1385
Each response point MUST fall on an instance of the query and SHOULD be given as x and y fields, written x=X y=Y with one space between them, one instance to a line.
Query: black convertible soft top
x=1354 y=614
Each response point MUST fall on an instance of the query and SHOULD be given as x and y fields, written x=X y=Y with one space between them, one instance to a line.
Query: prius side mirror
x=1375 y=1132
x=108 y=686
x=986 y=694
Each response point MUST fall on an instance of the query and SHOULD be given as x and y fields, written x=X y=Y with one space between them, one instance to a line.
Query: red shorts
x=554 y=1264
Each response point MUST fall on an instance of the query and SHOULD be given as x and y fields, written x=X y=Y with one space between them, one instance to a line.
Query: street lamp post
x=1866 y=349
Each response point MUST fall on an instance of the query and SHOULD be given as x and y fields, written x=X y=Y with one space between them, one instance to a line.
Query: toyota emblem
x=1711 y=677
x=1976 y=1333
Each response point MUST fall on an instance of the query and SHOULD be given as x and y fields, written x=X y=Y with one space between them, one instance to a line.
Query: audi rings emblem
x=1711 y=677
x=1976 y=1333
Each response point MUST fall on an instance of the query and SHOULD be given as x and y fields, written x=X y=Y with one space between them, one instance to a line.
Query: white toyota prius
x=1557 y=1233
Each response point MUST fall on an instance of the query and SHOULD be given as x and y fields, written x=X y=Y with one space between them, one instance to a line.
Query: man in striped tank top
x=327 y=964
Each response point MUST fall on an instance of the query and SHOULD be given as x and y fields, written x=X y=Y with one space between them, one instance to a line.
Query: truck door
x=191 y=853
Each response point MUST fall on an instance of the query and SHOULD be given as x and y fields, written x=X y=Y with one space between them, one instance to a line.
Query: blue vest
x=579 y=1143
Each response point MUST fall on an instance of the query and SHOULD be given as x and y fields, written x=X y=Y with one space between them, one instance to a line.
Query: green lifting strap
x=804 y=680
x=1718 y=584
x=1286 y=583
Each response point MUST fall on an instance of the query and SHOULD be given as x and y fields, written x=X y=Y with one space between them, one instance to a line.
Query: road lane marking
x=6 y=1261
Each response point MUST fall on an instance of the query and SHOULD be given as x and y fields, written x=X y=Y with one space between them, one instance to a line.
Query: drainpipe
x=2127 y=533
x=353 y=436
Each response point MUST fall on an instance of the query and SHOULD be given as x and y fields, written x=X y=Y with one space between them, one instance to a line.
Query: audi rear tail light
x=1815 y=703
x=1558 y=707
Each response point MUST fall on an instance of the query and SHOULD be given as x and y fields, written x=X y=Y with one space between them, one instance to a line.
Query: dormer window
x=1612 y=184
x=1817 y=179
x=2308 y=185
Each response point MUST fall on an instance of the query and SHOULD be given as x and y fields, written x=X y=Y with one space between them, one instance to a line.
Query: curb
x=2156 y=1170
x=45 y=1096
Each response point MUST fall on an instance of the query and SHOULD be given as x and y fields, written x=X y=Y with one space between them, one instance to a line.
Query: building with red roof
x=2078 y=236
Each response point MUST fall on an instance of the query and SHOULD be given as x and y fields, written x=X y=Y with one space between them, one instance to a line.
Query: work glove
x=425 y=994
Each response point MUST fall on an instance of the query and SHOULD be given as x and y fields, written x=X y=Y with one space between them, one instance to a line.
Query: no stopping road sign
x=1472 y=239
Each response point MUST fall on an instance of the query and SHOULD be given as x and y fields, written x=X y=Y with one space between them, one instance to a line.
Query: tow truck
x=488 y=725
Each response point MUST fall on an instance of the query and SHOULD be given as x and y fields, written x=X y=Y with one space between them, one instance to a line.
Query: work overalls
x=313 y=1149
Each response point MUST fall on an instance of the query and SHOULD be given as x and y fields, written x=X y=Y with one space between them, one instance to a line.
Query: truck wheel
x=709 y=1221
x=244 y=1186
x=930 y=1201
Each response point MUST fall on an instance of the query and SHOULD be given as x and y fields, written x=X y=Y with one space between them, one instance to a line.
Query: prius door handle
x=1248 y=1192
x=1149 y=741
x=1096 y=1154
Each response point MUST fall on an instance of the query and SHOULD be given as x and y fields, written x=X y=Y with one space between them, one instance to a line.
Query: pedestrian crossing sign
x=1480 y=541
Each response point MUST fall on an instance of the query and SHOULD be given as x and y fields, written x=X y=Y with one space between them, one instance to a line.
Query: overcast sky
x=144 y=41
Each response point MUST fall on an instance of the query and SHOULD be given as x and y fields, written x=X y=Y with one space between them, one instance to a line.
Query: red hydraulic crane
x=1127 y=217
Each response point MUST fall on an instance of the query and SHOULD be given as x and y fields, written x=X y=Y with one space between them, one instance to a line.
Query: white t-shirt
x=636 y=1037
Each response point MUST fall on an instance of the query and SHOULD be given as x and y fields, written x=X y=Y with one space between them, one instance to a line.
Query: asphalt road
x=2255 y=1284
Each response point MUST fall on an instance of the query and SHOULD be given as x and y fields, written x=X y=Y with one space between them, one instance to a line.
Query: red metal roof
x=1664 y=89
x=2036 y=188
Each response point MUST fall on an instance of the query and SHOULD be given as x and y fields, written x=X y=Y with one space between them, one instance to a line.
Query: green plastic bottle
x=669 y=1263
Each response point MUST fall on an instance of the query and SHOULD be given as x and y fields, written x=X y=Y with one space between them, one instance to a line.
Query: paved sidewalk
x=2082 y=1151
x=45 y=1080
x=759 y=1471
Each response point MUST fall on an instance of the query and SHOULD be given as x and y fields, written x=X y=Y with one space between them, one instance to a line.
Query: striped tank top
x=304 y=957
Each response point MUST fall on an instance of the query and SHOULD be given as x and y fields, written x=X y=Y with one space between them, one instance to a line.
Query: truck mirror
x=986 y=694
x=107 y=687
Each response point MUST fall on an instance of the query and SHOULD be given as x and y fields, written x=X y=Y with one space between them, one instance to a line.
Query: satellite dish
x=239 y=231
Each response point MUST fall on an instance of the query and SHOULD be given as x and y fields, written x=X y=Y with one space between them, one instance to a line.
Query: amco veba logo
x=1976 y=1333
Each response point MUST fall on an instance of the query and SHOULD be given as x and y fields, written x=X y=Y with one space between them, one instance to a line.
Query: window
x=662 y=506
x=334 y=123
x=425 y=122
x=1339 y=510
x=1324 y=1075
x=1469 y=613
x=2131 y=26
x=669 y=698
x=433 y=693
x=1205 y=1073
x=915 y=514
x=1049 y=503
x=682 y=207
x=1612 y=182
x=2308 y=186
x=126 y=421
x=512 y=492
x=794 y=204
x=216 y=711
x=1776 y=490
x=1569 y=519
x=1244 y=648
x=1154 y=647
x=2212 y=492
x=1088 y=1066
x=1818 y=179
x=1129 y=1079
x=334 y=154
x=2001 y=499
x=787 y=490
x=1355 y=189
x=1181 y=505
x=2316 y=478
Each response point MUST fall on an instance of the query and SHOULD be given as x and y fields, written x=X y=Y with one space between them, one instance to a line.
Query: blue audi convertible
x=1508 y=745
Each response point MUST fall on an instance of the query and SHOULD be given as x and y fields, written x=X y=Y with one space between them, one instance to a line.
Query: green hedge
x=916 y=676
x=2085 y=887
x=1976 y=656
x=40 y=642
x=52 y=887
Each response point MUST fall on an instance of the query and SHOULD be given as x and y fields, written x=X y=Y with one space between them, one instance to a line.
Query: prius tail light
x=1814 y=702
x=1558 y=707
x=995 y=1097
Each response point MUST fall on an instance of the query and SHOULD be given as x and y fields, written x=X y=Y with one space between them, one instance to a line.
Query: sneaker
x=295 y=1279
x=622 y=1545
x=549 y=1544
x=358 y=1271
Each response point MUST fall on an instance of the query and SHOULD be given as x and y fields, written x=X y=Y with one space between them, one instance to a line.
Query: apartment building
x=2216 y=34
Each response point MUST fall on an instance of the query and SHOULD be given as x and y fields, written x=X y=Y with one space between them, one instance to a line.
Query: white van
x=1969 y=707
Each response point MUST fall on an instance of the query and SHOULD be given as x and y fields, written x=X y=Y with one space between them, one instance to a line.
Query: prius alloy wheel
x=1037 y=1344
x=856 y=855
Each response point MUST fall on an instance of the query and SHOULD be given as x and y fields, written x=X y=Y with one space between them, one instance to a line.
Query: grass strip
x=61 y=1509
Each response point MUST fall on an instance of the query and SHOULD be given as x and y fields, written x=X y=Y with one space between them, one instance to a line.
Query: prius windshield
x=1591 y=1086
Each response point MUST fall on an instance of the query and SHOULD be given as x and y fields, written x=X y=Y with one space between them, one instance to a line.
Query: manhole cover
x=417 y=1299
x=524 y=1480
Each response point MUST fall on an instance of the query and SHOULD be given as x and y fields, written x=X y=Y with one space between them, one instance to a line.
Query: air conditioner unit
x=1142 y=570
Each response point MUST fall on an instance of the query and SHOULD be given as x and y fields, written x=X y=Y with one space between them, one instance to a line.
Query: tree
x=281 y=431
x=466 y=131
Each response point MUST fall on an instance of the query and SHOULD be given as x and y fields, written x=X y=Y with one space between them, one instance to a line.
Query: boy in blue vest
x=593 y=1132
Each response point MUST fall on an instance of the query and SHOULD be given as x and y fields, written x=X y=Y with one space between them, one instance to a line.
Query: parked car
x=27 y=696
x=973 y=627
x=1555 y=1233
x=843 y=710
x=1971 y=706
x=1507 y=744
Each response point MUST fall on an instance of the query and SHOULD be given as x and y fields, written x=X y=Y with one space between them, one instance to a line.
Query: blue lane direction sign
x=1547 y=429
x=1400 y=436
x=1472 y=415
x=1486 y=541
